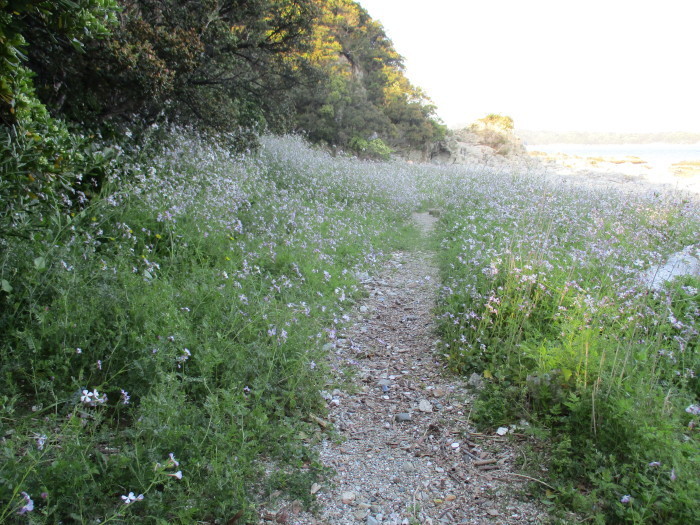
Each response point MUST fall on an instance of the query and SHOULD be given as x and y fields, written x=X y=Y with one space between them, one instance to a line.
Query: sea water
x=657 y=154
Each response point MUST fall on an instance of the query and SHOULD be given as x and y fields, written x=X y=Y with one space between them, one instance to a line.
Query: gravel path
x=403 y=449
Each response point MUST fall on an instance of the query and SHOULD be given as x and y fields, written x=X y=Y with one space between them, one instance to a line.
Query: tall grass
x=161 y=349
x=544 y=297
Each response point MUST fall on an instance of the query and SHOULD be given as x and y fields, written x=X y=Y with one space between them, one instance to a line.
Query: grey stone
x=362 y=276
x=408 y=467
x=348 y=497
x=372 y=521
x=476 y=381
x=685 y=262
x=360 y=514
x=403 y=417
x=425 y=406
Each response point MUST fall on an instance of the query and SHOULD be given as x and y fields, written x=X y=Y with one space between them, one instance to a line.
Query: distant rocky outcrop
x=490 y=139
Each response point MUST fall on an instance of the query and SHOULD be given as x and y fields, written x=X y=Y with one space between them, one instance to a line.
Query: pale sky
x=560 y=65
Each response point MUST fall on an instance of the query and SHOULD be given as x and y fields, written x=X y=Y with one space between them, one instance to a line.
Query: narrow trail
x=404 y=450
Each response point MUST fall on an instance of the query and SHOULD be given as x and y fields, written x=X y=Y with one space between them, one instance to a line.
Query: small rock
x=425 y=406
x=325 y=395
x=315 y=488
x=360 y=514
x=450 y=497
x=502 y=431
x=492 y=512
x=296 y=507
x=408 y=467
x=438 y=392
x=348 y=497
x=384 y=382
x=403 y=417
x=362 y=276
x=363 y=309
x=476 y=381
x=372 y=521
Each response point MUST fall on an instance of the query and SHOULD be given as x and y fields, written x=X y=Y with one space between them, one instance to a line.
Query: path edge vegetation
x=168 y=278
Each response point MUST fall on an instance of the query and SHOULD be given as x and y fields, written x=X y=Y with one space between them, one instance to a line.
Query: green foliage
x=225 y=66
x=375 y=148
x=323 y=67
x=72 y=20
x=359 y=89
x=545 y=301
x=45 y=168
x=182 y=311
x=499 y=121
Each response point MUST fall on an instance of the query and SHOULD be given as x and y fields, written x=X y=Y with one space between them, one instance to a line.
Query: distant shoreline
x=672 y=165
x=602 y=138
x=656 y=155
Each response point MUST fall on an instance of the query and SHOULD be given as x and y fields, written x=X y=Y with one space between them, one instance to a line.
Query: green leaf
x=5 y=286
x=40 y=263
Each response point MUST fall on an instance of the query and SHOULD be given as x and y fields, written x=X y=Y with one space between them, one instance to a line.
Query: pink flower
x=177 y=474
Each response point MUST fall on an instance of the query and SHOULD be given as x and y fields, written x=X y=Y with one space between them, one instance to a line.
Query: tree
x=224 y=64
x=360 y=92
x=71 y=21
x=42 y=164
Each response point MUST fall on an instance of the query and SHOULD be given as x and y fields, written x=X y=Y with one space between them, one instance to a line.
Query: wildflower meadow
x=162 y=346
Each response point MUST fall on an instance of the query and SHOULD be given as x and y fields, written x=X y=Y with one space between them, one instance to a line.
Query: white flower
x=177 y=474
x=626 y=498
x=86 y=397
x=28 y=504
x=130 y=498
x=693 y=409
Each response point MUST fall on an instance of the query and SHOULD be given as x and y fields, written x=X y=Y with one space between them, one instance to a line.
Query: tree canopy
x=321 y=67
